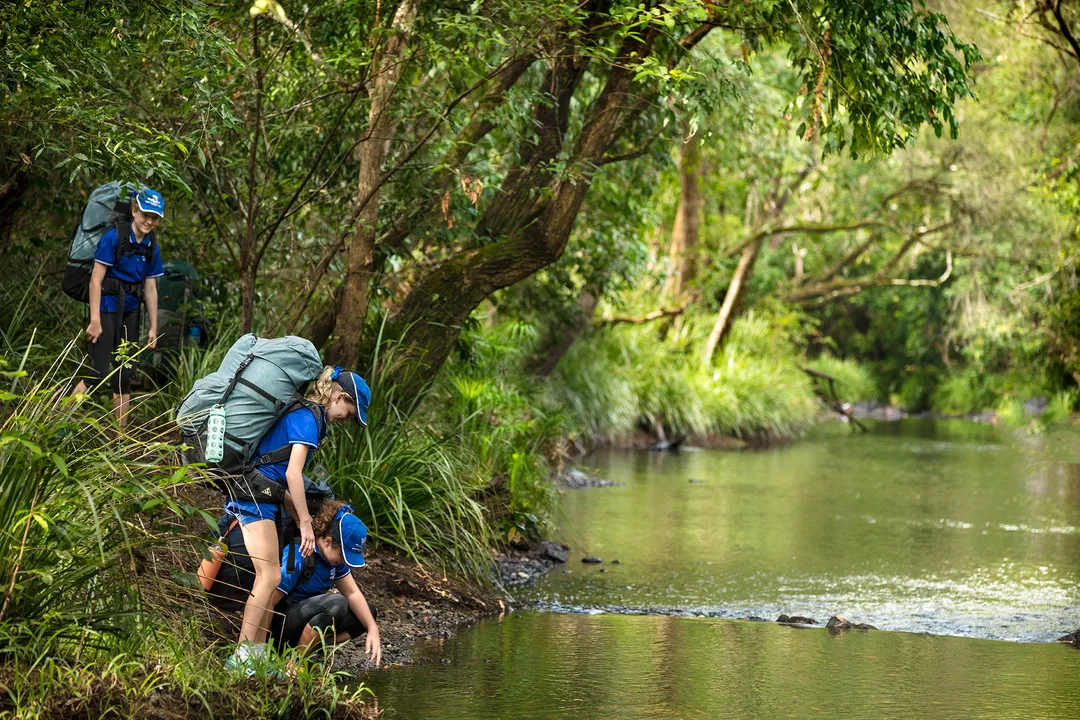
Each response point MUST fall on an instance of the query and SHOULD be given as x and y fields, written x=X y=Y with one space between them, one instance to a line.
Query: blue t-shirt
x=321 y=580
x=125 y=268
x=299 y=427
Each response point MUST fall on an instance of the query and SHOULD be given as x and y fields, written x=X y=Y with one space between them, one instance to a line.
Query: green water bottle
x=215 y=434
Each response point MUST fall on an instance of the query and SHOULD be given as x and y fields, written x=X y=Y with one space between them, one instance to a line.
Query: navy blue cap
x=150 y=201
x=357 y=389
x=351 y=533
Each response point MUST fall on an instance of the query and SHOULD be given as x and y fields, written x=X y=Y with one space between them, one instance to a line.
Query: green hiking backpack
x=259 y=382
x=108 y=205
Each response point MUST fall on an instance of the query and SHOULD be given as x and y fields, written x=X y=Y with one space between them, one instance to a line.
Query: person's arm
x=294 y=475
x=358 y=604
x=150 y=295
x=97 y=277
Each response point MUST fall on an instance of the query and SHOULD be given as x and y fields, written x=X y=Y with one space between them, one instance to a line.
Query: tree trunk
x=356 y=287
x=731 y=299
x=12 y=191
x=557 y=344
x=684 y=233
x=249 y=257
x=429 y=320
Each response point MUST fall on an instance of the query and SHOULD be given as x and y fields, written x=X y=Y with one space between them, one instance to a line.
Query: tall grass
x=621 y=376
x=853 y=382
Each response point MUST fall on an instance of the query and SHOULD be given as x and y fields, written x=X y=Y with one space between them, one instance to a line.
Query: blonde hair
x=320 y=524
x=323 y=389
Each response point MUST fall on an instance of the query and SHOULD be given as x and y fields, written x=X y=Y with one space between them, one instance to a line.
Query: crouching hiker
x=278 y=473
x=306 y=614
x=126 y=266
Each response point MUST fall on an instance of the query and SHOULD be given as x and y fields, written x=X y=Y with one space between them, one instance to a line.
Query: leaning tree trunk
x=360 y=266
x=731 y=299
x=429 y=320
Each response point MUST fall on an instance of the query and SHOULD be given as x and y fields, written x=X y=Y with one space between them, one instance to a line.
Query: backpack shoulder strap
x=310 y=563
x=282 y=454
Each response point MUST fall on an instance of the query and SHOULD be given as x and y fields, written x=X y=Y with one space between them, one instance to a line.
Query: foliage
x=624 y=375
x=853 y=382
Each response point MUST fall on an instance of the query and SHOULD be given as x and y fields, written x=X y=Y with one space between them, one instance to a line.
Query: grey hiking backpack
x=259 y=382
x=108 y=206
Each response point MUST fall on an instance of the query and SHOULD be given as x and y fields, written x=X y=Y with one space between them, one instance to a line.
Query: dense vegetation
x=533 y=226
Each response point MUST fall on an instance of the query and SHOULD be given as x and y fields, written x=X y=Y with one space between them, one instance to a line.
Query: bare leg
x=309 y=638
x=121 y=404
x=262 y=545
x=80 y=388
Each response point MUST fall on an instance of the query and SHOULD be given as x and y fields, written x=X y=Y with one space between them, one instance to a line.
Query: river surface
x=957 y=536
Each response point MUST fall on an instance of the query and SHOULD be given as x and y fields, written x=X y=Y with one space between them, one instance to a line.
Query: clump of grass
x=1010 y=412
x=853 y=382
x=162 y=672
x=625 y=375
x=1060 y=408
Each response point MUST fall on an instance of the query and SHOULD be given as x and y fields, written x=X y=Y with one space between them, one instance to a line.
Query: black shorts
x=329 y=612
x=103 y=351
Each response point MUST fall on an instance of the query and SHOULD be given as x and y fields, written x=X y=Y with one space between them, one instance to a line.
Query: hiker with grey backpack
x=255 y=424
x=113 y=265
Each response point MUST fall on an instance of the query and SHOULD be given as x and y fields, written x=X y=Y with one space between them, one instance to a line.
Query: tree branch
x=641 y=319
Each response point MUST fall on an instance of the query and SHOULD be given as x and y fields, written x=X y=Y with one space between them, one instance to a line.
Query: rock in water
x=591 y=560
x=838 y=623
x=554 y=551
x=1072 y=638
x=795 y=620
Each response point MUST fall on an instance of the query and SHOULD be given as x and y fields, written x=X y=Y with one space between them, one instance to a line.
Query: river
x=956 y=537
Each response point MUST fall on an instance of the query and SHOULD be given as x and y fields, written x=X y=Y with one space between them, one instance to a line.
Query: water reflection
x=922 y=525
x=544 y=665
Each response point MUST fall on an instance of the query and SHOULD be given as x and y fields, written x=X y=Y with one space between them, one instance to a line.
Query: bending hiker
x=336 y=396
x=305 y=613
x=127 y=264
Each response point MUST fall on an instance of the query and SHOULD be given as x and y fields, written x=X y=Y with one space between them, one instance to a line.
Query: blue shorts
x=249 y=511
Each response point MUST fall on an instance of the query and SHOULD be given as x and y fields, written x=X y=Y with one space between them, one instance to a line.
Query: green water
x=948 y=528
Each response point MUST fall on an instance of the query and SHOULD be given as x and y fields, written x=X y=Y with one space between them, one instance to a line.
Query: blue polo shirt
x=320 y=581
x=299 y=427
x=126 y=268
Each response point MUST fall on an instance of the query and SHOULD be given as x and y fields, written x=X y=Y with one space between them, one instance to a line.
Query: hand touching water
x=373 y=646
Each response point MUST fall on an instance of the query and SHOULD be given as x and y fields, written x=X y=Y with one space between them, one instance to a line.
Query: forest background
x=537 y=226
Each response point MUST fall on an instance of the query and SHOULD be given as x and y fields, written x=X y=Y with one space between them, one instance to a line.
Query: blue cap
x=357 y=389
x=352 y=535
x=150 y=201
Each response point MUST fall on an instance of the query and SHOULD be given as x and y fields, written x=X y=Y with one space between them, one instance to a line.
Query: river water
x=957 y=536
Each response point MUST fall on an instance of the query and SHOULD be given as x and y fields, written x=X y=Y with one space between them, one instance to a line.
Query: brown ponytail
x=320 y=524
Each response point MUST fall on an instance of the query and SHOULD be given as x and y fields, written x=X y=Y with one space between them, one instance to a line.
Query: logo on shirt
x=266 y=491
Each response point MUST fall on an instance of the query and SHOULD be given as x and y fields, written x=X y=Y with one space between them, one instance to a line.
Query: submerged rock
x=1072 y=638
x=754 y=618
x=591 y=560
x=575 y=480
x=795 y=620
x=837 y=623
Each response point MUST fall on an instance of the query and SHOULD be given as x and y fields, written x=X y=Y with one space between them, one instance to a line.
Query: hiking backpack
x=109 y=206
x=232 y=580
x=259 y=382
